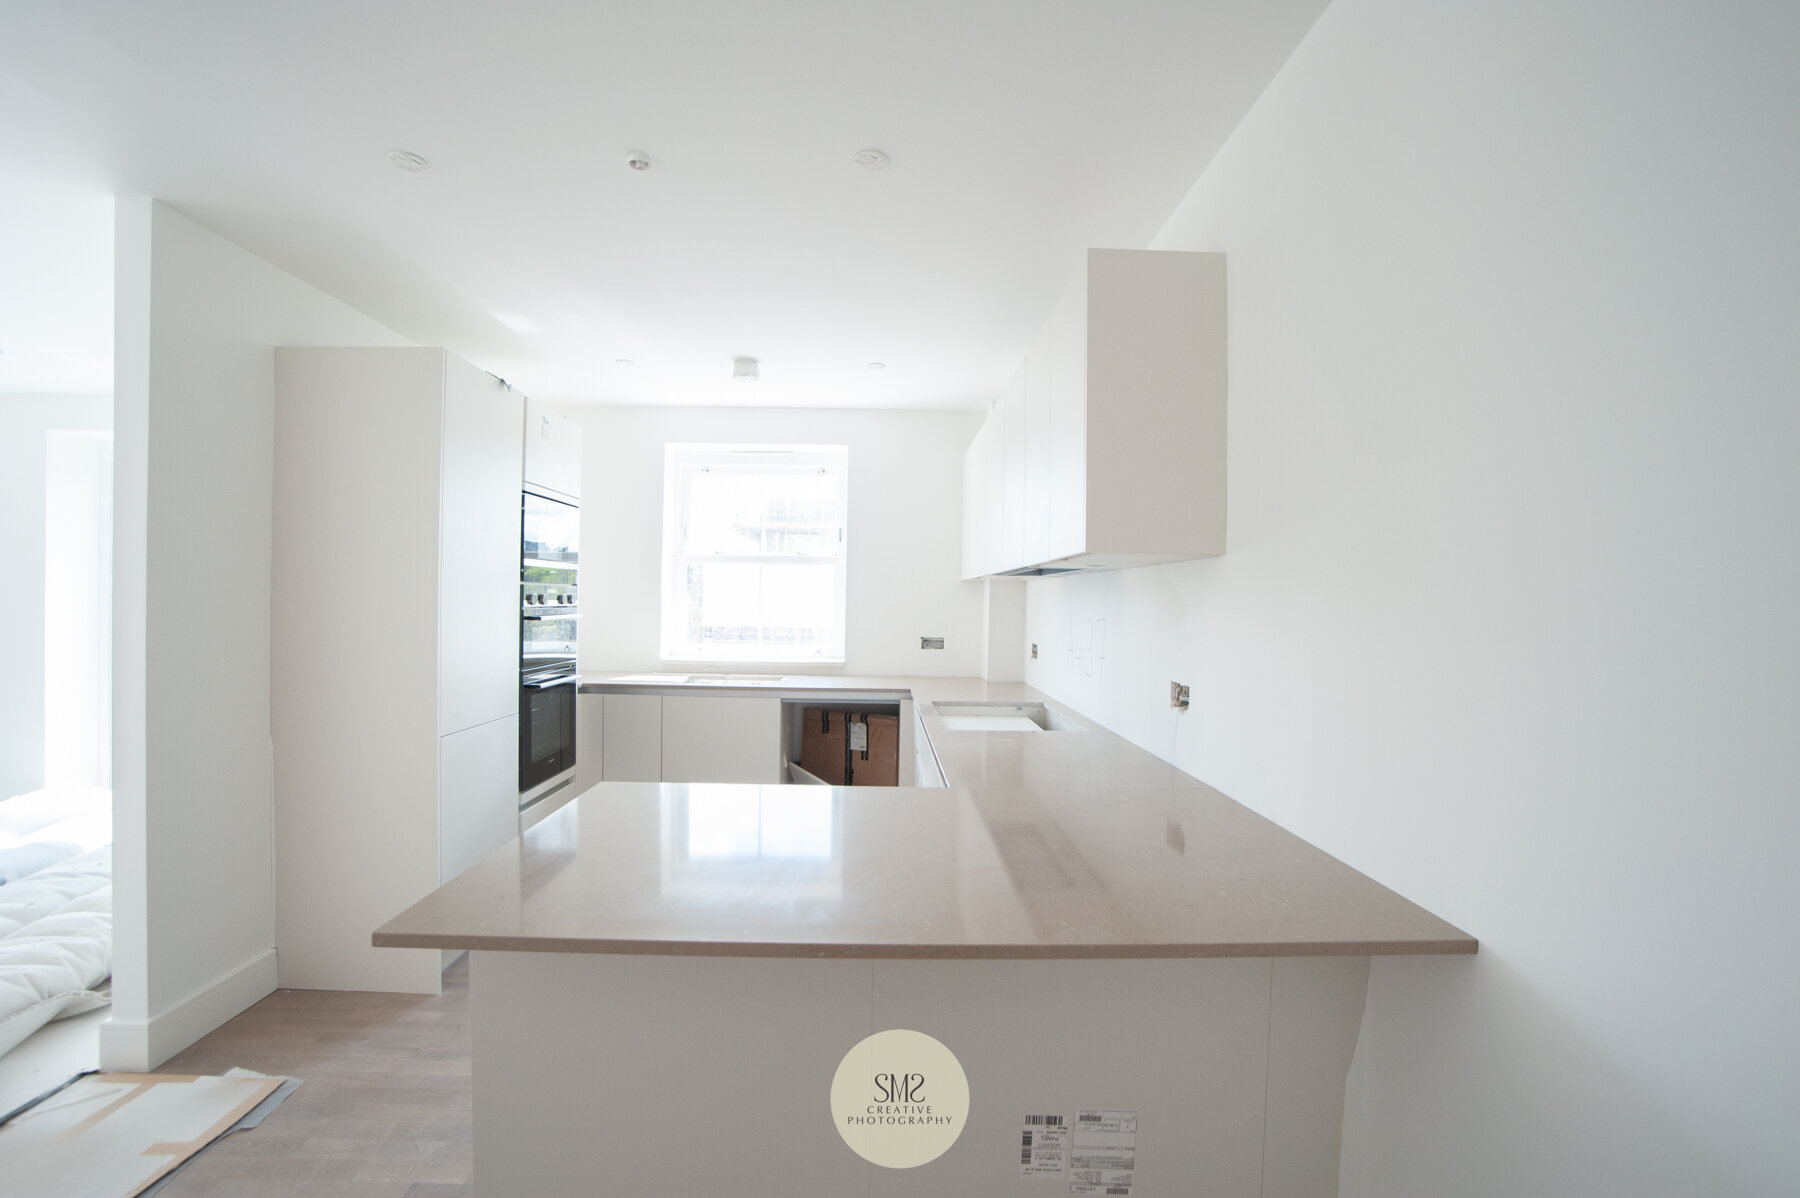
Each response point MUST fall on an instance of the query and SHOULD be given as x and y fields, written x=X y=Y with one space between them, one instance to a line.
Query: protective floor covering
x=112 y=1135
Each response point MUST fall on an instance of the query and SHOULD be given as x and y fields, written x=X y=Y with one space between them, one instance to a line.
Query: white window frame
x=680 y=463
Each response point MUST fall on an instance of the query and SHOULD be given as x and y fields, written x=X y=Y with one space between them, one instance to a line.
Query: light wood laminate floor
x=384 y=1112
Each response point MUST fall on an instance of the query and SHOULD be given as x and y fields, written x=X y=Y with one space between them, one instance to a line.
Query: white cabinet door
x=1067 y=337
x=552 y=450
x=590 y=756
x=984 y=486
x=478 y=793
x=630 y=738
x=974 y=507
x=478 y=550
x=1035 y=519
x=1012 y=425
x=714 y=738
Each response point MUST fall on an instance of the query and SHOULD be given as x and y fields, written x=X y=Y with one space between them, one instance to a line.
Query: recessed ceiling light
x=877 y=365
x=517 y=323
x=406 y=160
x=637 y=160
x=622 y=363
x=743 y=370
x=871 y=160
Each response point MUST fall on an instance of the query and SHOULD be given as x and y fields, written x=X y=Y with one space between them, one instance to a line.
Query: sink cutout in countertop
x=970 y=716
x=989 y=723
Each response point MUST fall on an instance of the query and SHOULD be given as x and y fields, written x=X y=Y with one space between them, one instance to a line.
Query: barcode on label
x=1089 y=1118
x=1118 y=1190
x=1044 y=1120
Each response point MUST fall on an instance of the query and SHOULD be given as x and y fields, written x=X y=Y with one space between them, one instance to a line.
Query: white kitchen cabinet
x=478 y=553
x=475 y=765
x=631 y=738
x=552 y=451
x=1063 y=348
x=590 y=759
x=984 y=480
x=1034 y=519
x=714 y=738
x=394 y=647
x=1012 y=497
x=1126 y=388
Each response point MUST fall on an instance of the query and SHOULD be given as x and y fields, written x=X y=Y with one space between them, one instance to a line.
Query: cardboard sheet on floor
x=112 y=1135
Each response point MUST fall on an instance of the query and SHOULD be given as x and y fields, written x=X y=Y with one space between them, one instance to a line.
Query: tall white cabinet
x=1108 y=446
x=394 y=648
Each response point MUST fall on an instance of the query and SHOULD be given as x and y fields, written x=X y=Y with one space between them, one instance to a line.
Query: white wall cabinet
x=1113 y=438
x=552 y=451
x=394 y=648
x=1011 y=414
x=984 y=466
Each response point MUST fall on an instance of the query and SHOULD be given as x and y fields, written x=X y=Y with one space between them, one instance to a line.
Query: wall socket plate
x=1033 y=650
x=931 y=642
x=1178 y=695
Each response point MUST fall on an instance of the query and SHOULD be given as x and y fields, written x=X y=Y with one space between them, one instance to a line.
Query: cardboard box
x=850 y=748
x=822 y=741
x=875 y=752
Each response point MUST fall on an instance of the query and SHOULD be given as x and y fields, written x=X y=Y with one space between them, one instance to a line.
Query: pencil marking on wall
x=1087 y=648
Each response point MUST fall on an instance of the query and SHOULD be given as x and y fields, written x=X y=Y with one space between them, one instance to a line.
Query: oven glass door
x=547 y=637
x=546 y=729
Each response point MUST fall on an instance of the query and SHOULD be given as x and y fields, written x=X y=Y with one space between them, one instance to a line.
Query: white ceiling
x=1019 y=130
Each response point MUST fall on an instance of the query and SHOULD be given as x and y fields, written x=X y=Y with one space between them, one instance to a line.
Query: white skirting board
x=712 y=1075
x=138 y=1046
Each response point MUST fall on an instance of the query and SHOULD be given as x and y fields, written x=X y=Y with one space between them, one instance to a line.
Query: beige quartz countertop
x=1046 y=844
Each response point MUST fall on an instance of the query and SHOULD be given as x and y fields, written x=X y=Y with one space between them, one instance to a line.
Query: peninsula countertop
x=1041 y=845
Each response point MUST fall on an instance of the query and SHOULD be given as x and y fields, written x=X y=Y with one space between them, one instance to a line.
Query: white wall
x=905 y=529
x=78 y=607
x=24 y=422
x=197 y=320
x=1507 y=613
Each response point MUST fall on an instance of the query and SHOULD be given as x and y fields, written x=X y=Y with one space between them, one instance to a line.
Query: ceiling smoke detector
x=877 y=365
x=871 y=160
x=622 y=363
x=406 y=160
x=743 y=370
x=637 y=160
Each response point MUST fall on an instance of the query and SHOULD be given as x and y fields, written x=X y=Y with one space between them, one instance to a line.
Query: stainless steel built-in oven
x=549 y=616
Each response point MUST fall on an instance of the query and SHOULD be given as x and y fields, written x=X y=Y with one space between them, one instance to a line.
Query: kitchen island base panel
x=649 y=1075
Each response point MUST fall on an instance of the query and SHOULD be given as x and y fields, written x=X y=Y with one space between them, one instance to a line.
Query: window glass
x=754 y=553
